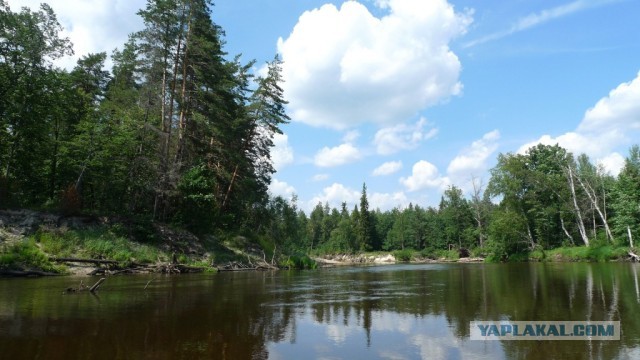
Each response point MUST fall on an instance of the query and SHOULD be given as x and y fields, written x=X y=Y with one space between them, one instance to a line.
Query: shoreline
x=384 y=259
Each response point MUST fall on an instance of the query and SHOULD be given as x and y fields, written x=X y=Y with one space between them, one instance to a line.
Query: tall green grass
x=27 y=255
x=100 y=243
x=595 y=253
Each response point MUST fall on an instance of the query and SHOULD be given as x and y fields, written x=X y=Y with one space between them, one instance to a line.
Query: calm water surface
x=384 y=312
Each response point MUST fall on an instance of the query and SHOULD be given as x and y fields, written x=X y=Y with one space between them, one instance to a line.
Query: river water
x=380 y=312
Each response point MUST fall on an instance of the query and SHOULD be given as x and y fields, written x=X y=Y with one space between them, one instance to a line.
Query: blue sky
x=411 y=96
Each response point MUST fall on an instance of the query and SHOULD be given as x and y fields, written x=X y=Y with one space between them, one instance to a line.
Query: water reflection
x=390 y=312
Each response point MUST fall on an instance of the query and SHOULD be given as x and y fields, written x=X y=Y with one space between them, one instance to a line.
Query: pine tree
x=364 y=226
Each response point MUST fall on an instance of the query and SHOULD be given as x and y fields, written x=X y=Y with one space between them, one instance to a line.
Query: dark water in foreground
x=386 y=312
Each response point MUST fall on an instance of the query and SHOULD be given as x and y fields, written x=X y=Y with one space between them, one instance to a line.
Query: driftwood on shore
x=88 y=261
x=148 y=268
x=238 y=266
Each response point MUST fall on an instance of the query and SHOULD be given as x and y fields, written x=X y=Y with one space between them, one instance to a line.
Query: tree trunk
x=532 y=243
x=182 y=121
x=226 y=196
x=583 y=232
x=477 y=206
x=166 y=131
x=565 y=231
x=174 y=80
x=54 y=167
x=591 y=194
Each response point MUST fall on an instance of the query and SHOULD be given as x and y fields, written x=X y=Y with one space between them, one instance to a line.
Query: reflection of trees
x=213 y=318
x=561 y=292
x=233 y=316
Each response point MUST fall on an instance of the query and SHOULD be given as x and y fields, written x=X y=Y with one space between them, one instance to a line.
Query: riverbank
x=385 y=259
x=40 y=243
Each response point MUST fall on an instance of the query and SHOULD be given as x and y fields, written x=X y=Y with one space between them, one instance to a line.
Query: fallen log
x=90 y=261
x=188 y=269
x=633 y=256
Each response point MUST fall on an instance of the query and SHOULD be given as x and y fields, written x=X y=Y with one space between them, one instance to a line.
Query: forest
x=177 y=131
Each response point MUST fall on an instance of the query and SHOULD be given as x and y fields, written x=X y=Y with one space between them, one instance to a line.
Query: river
x=377 y=312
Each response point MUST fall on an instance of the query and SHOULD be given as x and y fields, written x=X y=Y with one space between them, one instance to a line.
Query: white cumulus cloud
x=335 y=195
x=338 y=155
x=387 y=201
x=344 y=67
x=281 y=188
x=424 y=175
x=620 y=110
x=401 y=137
x=388 y=168
x=606 y=129
x=612 y=163
x=473 y=160
x=282 y=152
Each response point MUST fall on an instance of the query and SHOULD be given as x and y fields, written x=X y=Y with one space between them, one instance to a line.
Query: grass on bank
x=33 y=252
x=98 y=243
x=593 y=253
x=27 y=255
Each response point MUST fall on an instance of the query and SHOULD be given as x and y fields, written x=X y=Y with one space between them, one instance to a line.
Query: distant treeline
x=547 y=199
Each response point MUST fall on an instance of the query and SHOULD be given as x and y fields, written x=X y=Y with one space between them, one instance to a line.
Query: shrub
x=479 y=252
x=299 y=261
x=447 y=254
x=26 y=254
x=403 y=255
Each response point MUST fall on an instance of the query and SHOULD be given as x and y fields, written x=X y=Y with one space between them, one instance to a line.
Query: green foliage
x=405 y=255
x=100 y=243
x=267 y=246
x=299 y=261
x=537 y=254
x=626 y=198
x=364 y=224
x=456 y=218
x=506 y=235
x=58 y=243
x=479 y=252
x=592 y=253
x=26 y=255
x=197 y=208
x=447 y=254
